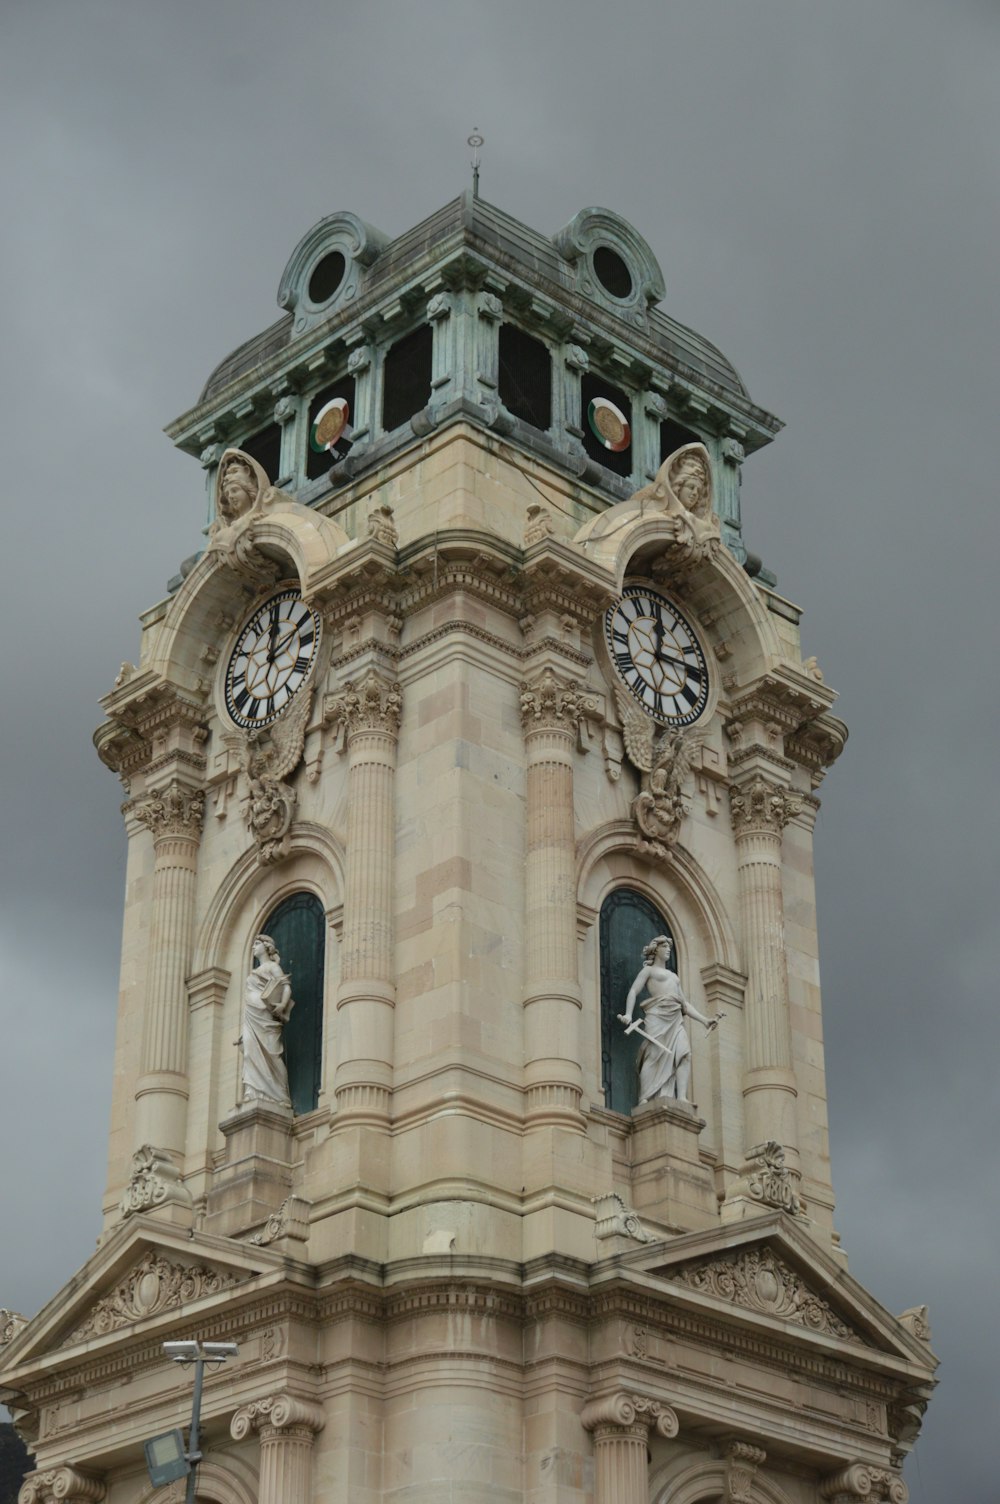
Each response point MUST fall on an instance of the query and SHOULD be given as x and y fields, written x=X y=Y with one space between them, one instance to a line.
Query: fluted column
x=369 y=712
x=551 y=712
x=287 y=1430
x=621 y=1424
x=64 y=1484
x=173 y=814
x=760 y=812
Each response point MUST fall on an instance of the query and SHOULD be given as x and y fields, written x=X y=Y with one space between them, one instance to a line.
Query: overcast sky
x=820 y=185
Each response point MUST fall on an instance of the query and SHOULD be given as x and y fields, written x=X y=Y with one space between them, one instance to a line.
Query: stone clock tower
x=469 y=1068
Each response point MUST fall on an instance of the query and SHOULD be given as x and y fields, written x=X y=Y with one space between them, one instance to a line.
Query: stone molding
x=760 y=807
x=155 y=1284
x=278 y=1412
x=374 y=703
x=551 y=704
x=62 y=1483
x=742 y=1462
x=154 y=1180
x=758 y=1280
x=170 y=812
x=627 y=1411
x=859 y=1481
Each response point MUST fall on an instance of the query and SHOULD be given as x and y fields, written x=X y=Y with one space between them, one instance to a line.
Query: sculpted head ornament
x=239 y=485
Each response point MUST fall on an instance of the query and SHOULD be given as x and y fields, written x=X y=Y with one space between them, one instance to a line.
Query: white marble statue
x=267 y=1002
x=664 y=1063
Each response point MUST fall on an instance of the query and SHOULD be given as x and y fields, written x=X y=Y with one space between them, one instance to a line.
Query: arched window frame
x=618 y=1051
x=304 y=1033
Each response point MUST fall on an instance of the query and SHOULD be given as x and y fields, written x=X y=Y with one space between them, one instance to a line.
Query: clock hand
x=274 y=632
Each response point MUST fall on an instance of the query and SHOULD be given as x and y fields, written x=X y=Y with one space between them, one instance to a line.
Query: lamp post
x=165 y=1455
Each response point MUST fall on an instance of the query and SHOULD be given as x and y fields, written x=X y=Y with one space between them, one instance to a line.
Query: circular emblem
x=272 y=659
x=609 y=425
x=658 y=656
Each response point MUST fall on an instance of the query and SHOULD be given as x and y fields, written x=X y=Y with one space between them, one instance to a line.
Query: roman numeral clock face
x=271 y=661
x=658 y=656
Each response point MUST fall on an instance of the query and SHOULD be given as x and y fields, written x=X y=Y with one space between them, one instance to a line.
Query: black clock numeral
x=305 y=638
x=240 y=697
x=270 y=705
x=301 y=664
x=624 y=662
x=619 y=635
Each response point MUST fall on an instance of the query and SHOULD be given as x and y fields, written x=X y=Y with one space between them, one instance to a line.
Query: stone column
x=64 y=1484
x=551 y=711
x=621 y=1424
x=173 y=814
x=287 y=1429
x=760 y=811
x=369 y=712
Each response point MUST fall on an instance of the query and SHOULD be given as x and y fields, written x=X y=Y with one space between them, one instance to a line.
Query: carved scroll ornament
x=758 y=1280
x=11 y=1325
x=628 y=1411
x=278 y=1412
x=62 y=1483
x=742 y=1462
x=862 y=1482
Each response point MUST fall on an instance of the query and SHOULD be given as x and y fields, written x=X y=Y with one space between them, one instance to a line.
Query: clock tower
x=469 y=1068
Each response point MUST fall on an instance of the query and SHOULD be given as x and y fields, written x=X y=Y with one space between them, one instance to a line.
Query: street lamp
x=166 y=1457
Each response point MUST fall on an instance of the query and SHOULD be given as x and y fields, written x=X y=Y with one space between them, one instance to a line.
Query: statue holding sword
x=664 y=1063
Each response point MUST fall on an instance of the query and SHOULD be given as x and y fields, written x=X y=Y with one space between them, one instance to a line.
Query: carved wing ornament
x=665 y=759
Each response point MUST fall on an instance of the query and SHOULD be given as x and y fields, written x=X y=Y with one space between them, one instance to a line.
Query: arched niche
x=696 y=919
x=240 y=909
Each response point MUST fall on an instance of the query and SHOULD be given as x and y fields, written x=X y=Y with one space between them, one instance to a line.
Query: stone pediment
x=769 y=1268
x=143 y=1271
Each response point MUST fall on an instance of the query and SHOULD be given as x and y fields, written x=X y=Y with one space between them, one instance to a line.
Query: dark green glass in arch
x=628 y=923
x=298 y=928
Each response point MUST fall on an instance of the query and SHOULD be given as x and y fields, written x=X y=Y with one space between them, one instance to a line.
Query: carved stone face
x=663 y=953
x=237 y=491
x=691 y=484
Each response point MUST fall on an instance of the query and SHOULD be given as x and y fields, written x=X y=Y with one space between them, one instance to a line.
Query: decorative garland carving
x=758 y=1280
x=374 y=704
x=154 y=1285
x=621 y=1411
x=762 y=808
x=279 y=1412
x=549 y=704
x=63 y=1483
x=176 y=810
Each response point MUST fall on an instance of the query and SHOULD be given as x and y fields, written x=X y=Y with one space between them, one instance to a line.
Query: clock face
x=271 y=661
x=658 y=656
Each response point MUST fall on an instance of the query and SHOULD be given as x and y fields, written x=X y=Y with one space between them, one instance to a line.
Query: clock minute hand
x=274 y=633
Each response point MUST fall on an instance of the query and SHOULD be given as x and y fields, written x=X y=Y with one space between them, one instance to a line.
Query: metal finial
x=475 y=141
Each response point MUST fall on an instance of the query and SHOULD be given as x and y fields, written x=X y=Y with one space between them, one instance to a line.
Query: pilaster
x=369 y=710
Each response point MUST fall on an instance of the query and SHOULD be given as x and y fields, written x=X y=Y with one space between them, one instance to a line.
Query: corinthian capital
x=761 y=808
x=375 y=703
x=278 y=1412
x=62 y=1483
x=550 y=704
x=627 y=1412
x=175 y=810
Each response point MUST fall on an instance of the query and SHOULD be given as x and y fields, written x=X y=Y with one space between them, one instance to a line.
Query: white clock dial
x=658 y=656
x=272 y=659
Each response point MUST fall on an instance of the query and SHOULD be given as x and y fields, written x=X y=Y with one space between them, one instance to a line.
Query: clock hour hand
x=274 y=633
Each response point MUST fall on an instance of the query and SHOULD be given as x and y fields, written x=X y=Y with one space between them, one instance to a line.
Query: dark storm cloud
x=820 y=184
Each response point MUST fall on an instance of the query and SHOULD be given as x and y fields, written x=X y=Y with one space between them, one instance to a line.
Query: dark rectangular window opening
x=321 y=461
x=265 y=448
x=406 y=377
x=525 y=384
x=592 y=386
x=674 y=436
